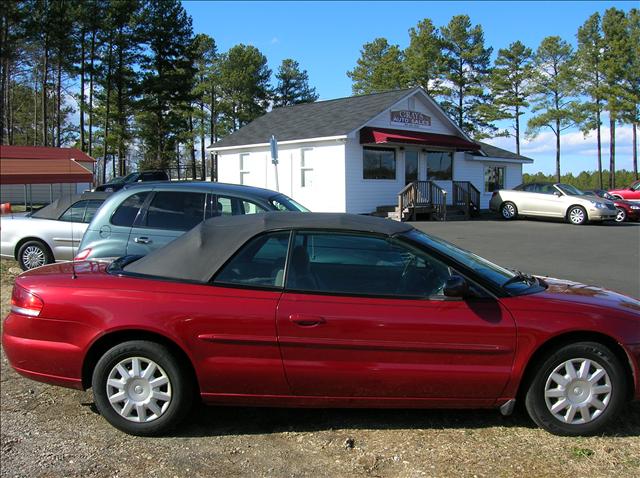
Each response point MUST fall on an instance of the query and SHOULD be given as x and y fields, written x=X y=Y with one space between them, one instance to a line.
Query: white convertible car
x=557 y=200
x=50 y=234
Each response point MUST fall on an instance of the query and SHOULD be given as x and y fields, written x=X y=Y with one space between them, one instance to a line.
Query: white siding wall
x=39 y=193
x=473 y=170
x=324 y=163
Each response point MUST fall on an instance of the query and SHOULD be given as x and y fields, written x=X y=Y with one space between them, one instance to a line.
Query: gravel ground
x=47 y=431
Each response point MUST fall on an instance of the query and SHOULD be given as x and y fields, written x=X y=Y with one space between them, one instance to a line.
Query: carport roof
x=43 y=165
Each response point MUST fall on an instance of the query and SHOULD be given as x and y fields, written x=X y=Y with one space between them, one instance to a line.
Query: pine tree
x=510 y=78
x=632 y=82
x=379 y=68
x=554 y=89
x=244 y=79
x=293 y=85
x=467 y=62
x=423 y=58
x=616 y=61
x=590 y=56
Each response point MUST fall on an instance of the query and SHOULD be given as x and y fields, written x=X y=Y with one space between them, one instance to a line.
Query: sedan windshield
x=570 y=190
x=513 y=281
x=285 y=203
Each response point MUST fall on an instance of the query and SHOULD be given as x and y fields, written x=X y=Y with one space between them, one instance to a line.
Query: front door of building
x=411 y=162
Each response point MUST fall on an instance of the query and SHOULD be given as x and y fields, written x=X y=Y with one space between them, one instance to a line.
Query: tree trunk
x=83 y=145
x=45 y=69
x=59 y=103
x=612 y=153
x=599 y=140
x=92 y=52
x=635 y=150
x=192 y=150
x=121 y=115
x=517 y=130
x=558 y=150
x=106 y=119
x=35 y=107
x=203 y=161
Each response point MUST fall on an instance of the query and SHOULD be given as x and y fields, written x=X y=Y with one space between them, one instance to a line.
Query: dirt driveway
x=52 y=432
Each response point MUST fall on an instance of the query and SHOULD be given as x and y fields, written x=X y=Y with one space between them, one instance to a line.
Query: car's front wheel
x=577 y=390
x=34 y=254
x=577 y=215
x=621 y=216
x=141 y=388
x=509 y=211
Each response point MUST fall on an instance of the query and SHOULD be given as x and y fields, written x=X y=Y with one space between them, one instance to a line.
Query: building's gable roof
x=495 y=152
x=43 y=152
x=314 y=120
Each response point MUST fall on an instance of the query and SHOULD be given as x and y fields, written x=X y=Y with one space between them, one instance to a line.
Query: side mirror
x=456 y=286
x=557 y=193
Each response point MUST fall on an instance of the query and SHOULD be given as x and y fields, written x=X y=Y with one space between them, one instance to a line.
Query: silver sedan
x=50 y=234
x=557 y=200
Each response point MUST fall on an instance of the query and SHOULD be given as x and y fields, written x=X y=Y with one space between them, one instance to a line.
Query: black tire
x=536 y=403
x=621 y=215
x=30 y=253
x=180 y=387
x=508 y=211
x=577 y=215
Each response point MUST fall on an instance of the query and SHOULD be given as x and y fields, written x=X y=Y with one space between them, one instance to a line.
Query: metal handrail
x=466 y=195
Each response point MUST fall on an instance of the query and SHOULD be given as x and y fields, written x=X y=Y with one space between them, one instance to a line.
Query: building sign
x=410 y=117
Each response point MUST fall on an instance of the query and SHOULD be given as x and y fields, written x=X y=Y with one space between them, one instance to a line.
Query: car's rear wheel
x=621 y=216
x=577 y=390
x=577 y=215
x=509 y=211
x=141 y=388
x=34 y=254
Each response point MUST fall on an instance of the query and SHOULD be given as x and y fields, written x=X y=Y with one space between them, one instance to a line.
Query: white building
x=357 y=154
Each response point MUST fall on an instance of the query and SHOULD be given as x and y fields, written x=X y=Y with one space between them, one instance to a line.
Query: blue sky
x=326 y=38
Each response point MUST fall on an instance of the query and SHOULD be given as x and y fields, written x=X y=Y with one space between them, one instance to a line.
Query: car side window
x=175 y=210
x=259 y=263
x=126 y=213
x=357 y=264
x=90 y=211
x=530 y=188
x=547 y=189
x=230 y=206
x=75 y=213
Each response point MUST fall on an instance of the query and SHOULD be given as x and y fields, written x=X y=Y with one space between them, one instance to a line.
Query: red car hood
x=590 y=295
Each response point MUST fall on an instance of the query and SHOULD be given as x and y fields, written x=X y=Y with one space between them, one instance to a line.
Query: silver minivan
x=145 y=216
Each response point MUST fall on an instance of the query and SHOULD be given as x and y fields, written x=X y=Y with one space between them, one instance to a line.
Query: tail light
x=494 y=194
x=25 y=303
x=83 y=254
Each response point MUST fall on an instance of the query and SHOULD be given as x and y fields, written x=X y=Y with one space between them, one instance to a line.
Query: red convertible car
x=631 y=193
x=323 y=310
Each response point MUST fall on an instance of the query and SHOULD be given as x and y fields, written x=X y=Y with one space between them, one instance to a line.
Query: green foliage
x=586 y=180
x=423 y=58
x=379 y=68
x=510 y=80
x=293 y=85
x=617 y=59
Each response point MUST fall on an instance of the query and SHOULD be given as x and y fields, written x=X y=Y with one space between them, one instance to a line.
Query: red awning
x=384 y=136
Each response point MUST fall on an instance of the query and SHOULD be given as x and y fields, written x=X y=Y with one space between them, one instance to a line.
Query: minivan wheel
x=34 y=254
x=509 y=211
x=577 y=215
x=577 y=390
x=141 y=388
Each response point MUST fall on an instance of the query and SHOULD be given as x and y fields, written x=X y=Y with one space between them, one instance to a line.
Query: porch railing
x=422 y=195
x=466 y=197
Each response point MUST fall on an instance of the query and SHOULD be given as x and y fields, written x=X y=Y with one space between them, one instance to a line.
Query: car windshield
x=513 y=281
x=570 y=190
x=285 y=203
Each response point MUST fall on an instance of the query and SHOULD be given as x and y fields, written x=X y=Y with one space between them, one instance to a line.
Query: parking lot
x=49 y=431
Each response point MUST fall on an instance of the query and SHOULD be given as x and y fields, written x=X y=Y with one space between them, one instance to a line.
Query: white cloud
x=275 y=40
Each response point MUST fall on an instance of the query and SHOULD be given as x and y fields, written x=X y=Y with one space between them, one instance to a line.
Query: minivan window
x=230 y=206
x=175 y=210
x=285 y=203
x=128 y=210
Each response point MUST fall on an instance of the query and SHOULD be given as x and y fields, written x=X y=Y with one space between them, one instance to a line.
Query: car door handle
x=306 y=320
x=142 y=240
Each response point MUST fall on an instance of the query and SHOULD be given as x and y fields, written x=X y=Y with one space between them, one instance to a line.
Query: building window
x=440 y=165
x=493 y=178
x=306 y=168
x=379 y=163
x=244 y=168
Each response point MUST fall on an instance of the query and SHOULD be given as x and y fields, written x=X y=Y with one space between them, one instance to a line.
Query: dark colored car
x=145 y=216
x=323 y=310
x=118 y=183
x=627 y=210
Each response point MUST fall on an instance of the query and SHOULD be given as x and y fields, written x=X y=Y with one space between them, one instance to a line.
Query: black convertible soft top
x=60 y=205
x=198 y=254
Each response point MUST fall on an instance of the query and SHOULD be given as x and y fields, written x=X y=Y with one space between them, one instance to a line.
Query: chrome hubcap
x=577 y=391
x=576 y=215
x=33 y=257
x=621 y=216
x=508 y=211
x=139 y=389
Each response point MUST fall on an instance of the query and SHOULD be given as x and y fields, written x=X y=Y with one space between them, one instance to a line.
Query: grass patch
x=579 y=452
